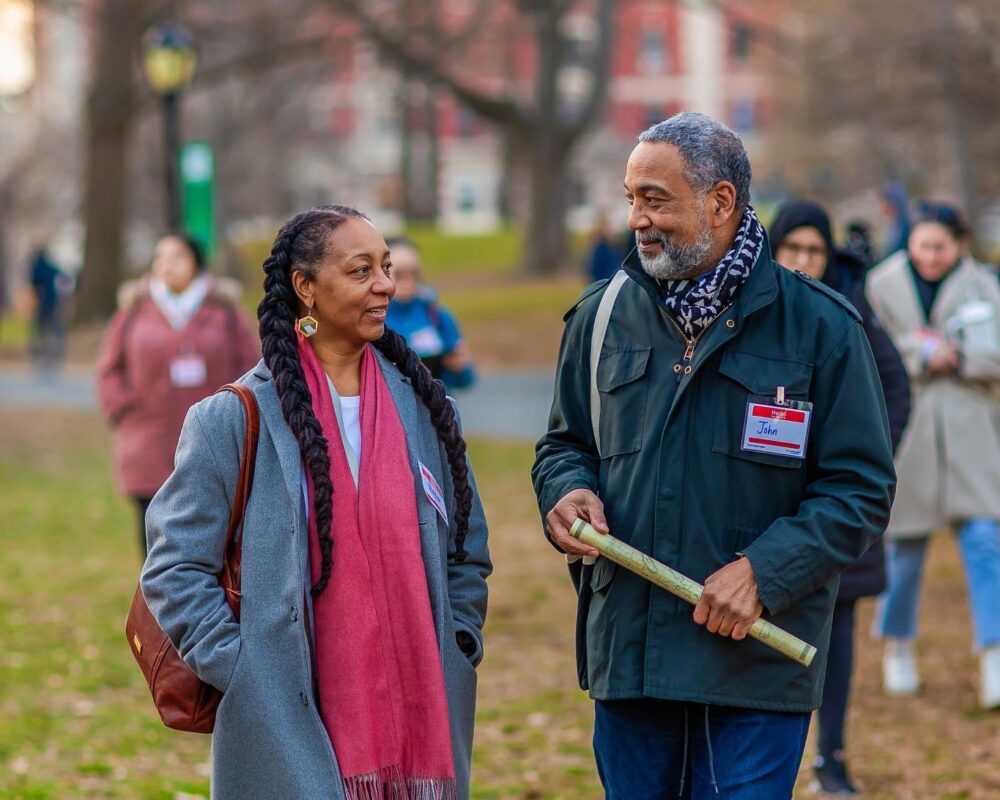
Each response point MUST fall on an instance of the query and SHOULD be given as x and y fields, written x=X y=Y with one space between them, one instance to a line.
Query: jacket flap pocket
x=604 y=571
x=762 y=375
x=621 y=366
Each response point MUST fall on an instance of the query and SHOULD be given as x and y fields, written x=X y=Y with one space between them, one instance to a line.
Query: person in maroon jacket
x=179 y=334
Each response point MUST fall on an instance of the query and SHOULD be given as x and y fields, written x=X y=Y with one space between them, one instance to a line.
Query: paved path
x=511 y=405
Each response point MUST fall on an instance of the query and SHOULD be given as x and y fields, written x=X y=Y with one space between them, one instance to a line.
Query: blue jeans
x=979 y=544
x=660 y=749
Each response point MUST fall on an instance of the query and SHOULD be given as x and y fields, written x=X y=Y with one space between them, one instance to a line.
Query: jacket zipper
x=683 y=367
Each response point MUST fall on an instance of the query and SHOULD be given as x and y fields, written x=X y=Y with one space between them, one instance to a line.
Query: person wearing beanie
x=802 y=239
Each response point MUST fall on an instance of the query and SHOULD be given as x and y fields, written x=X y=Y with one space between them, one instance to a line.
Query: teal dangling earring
x=307 y=325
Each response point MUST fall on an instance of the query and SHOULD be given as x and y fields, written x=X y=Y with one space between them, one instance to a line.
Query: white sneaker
x=899 y=667
x=989 y=670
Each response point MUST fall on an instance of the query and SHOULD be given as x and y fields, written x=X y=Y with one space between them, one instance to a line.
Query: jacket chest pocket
x=746 y=374
x=621 y=381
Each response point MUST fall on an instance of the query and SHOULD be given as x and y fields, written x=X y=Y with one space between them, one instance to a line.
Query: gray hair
x=711 y=152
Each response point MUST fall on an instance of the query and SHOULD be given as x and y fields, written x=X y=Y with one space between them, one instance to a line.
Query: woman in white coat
x=942 y=309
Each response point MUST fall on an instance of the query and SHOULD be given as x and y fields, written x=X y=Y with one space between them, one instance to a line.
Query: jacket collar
x=759 y=291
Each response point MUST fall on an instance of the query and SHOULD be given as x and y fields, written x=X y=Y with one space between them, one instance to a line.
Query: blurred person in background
x=51 y=288
x=895 y=207
x=430 y=330
x=606 y=253
x=802 y=239
x=178 y=335
x=859 y=242
x=942 y=310
x=350 y=674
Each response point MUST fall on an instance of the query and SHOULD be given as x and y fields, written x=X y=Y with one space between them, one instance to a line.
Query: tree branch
x=600 y=72
x=502 y=110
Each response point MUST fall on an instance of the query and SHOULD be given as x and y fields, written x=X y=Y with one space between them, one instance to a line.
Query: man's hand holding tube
x=581 y=503
x=729 y=604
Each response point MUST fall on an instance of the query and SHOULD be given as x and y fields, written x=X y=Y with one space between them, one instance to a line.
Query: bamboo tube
x=666 y=578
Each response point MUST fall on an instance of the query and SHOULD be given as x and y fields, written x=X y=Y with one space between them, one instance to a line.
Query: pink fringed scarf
x=381 y=686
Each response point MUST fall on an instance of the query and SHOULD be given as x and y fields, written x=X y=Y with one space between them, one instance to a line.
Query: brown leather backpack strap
x=233 y=558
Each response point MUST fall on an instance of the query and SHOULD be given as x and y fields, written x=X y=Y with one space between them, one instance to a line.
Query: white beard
x=674 y=261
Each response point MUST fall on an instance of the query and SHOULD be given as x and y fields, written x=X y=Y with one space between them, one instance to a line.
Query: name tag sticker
x=433 y=491
x=426 y=342
x=777 y=428
x=188 y=371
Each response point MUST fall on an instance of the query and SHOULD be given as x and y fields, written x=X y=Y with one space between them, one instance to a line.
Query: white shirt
x=179 y=308
x=351 y=407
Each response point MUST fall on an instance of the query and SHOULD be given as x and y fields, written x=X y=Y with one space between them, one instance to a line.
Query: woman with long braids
x=351 y=672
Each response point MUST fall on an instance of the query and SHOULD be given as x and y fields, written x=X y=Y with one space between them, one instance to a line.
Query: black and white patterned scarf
x=695 y=303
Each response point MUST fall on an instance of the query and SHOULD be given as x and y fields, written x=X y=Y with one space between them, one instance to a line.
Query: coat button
x=294 y=614
x=730 y=323
x=304 y=698
x=677 y=368
x=687 y=370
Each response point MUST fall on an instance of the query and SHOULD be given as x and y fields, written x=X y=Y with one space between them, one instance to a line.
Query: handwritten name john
x=765 y=428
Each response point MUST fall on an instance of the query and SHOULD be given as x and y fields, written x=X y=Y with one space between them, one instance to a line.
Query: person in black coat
x=801 y=239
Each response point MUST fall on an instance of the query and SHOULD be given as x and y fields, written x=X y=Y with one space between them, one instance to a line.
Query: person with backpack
x=724 y=416
x=178 y=335
x=430 y=330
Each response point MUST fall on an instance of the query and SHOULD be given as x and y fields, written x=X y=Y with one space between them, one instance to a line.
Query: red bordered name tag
x=780 y=429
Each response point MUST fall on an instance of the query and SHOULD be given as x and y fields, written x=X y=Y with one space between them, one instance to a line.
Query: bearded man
x=724 y=415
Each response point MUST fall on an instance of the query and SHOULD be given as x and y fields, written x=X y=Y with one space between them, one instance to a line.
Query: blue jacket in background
x=432 y=333
x=605 y=259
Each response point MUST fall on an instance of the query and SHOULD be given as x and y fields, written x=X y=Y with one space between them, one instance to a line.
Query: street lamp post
x=170 y=62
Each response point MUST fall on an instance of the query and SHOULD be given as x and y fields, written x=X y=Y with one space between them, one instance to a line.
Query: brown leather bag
x=185 y=702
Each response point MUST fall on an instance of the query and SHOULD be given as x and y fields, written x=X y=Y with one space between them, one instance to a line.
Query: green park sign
x=197 y=193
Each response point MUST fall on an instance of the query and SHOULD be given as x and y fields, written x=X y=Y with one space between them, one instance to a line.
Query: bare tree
x=902 y=89
x=541 y=126
x=110 y=111
x=255 y=47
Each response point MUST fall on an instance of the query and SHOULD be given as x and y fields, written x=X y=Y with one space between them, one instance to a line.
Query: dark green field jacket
x=676 y=483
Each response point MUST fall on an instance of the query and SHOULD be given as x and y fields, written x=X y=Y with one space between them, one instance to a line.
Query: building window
x=466 y=122
x=652 y=57
x=742 y=42
x=744 y=116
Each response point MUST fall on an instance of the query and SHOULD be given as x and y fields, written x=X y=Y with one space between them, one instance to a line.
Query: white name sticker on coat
x=433 y=492
x=188 y=371
x=774 y=429
x=426 y=342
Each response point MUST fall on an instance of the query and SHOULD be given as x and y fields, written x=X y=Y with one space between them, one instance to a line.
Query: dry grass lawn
x=75 y=721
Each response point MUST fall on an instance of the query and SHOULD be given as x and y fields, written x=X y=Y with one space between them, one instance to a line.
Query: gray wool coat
x=269 y=741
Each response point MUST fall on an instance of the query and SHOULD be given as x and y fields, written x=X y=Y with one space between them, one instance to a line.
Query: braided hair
x=300 y=246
